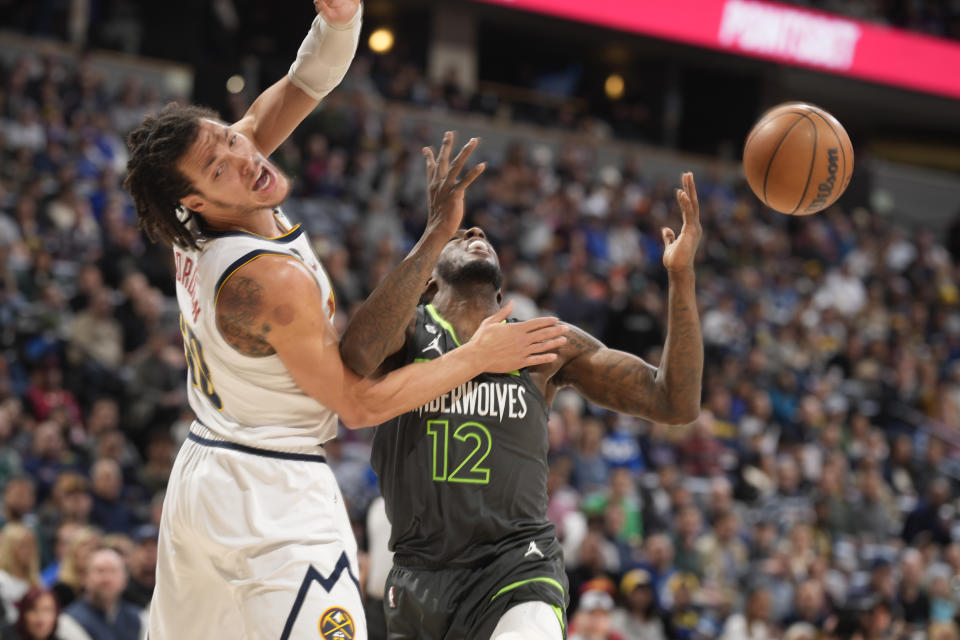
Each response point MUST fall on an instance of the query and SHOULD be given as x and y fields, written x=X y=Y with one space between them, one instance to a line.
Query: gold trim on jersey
x=232 y=269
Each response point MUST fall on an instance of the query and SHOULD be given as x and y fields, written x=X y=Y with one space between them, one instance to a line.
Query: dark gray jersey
x=464 y=477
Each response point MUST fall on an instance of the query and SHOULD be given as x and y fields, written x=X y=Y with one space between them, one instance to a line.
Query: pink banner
x=778 y=32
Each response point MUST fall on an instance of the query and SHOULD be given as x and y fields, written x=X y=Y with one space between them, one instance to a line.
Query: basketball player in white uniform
x=255 y=541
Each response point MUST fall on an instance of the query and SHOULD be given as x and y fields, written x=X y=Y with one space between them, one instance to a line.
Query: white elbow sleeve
x=325 y=55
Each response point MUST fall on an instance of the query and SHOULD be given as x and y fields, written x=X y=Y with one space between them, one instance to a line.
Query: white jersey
x=247 y=400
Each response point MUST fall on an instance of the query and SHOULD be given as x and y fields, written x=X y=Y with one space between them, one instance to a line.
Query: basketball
x=798 y=159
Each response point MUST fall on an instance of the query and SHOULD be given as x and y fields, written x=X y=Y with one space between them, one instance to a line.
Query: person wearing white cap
x=592 y=620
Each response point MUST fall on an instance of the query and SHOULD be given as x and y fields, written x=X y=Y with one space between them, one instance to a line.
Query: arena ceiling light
x=614 y=86
x=381 y=40
x=235 y=83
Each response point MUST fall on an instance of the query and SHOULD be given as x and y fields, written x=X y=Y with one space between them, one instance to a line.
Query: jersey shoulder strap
x=226 y=256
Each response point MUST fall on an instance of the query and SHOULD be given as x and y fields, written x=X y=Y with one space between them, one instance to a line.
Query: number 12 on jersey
x=476 y=442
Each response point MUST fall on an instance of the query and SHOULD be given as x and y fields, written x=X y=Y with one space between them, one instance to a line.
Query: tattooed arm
x=237 y=316
x=272 y=305
x=379 y=327
x=623 y=382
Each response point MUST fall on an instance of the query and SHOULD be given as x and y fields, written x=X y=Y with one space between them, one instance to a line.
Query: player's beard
x=473 y=272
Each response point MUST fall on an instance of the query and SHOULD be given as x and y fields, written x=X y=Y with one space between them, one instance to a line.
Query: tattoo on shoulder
x=238 y=317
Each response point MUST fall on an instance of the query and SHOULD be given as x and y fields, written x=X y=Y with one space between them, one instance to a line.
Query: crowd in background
x=812 y=498
x=933 y=17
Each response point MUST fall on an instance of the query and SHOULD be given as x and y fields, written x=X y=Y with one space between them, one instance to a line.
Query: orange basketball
x=798 y=158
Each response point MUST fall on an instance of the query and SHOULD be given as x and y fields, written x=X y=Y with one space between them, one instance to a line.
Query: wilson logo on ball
x=797 y=159
x=825 y=188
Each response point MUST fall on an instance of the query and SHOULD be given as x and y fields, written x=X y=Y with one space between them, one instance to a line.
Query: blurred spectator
x=912 y=593
x=700 y=453
x=70 y=501
x=19 y=500
x=622 y=494
x=593 y=618
x=944 y=631
x=658 y=552
x=687 y=620
x=71 y=579
x=943 y=604
x=688 y=527
x=109 y=511
x=46 y=394
x=62 y=538
x=39 y=618
x=723 y=555
x=101 y=611
x=590 y=469
x=930 y=518
x=877 y=622
x=10 y=460
x=121 y=543
x=96 y=341
x=754 y=623
x=810 y=606
x=153 y=475
x=900 y=470
x=48 y=456
x=874 y=514
x=641 y=618
x=789 y=504
x=597 y=557
x=142 y=565
x=19 y=565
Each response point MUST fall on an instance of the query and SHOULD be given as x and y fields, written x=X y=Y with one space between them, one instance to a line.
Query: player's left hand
x=337 y=12
x=679 y=252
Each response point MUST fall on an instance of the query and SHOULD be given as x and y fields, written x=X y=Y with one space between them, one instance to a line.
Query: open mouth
x=265 y=180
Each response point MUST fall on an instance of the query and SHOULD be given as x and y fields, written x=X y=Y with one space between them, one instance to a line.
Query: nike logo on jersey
x=434 y=344
x=533 y=550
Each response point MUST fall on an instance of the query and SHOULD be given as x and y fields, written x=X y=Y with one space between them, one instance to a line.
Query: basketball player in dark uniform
x=464 y=476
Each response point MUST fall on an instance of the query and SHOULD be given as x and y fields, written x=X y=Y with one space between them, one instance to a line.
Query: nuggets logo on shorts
x=336 y=624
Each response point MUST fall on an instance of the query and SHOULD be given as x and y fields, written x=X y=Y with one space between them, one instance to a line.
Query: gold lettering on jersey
x=484 y=399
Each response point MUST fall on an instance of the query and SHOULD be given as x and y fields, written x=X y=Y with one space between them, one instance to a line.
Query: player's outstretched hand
x=445 y=189
x=509 y=346
x=679 y=252
x=337 y=12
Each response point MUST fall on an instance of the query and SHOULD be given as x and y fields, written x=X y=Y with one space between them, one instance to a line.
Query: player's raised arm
x=378 y=328
x=272 y=305
x=624 y=382
x=322 y=62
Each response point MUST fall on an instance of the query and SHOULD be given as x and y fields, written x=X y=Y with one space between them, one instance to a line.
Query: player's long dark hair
x=155 y=183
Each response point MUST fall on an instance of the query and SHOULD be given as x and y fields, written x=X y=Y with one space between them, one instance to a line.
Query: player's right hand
x=510 y=346
x=444 y=189
x=680 y=252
